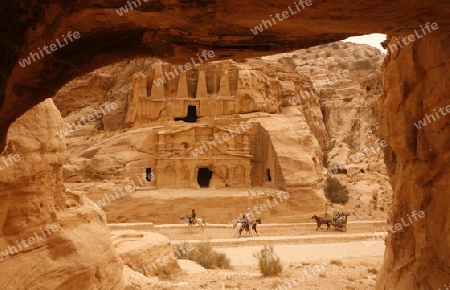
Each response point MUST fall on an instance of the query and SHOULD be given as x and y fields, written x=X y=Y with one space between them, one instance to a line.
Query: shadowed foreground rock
x=79 y=254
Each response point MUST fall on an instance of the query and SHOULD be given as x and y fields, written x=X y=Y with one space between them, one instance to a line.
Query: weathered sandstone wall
x=79 y=253
x=416 y=82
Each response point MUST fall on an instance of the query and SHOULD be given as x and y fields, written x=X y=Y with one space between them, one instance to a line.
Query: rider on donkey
x=192 y=217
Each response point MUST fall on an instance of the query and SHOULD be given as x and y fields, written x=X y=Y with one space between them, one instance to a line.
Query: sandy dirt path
x=180 y=232
x=243 y=255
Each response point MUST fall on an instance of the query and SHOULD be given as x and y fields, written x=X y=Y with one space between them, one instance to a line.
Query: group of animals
x=247 y=224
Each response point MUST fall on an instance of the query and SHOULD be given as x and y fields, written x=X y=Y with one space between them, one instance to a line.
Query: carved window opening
x=269 y=177
x=148 y=174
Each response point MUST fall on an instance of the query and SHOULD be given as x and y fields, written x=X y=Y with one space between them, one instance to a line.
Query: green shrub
x=362 y=64
x=204 y=255
x=268 y=263
x=335 y=191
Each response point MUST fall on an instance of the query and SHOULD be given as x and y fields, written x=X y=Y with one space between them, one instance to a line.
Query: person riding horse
x=192 y=217
x=245 y=221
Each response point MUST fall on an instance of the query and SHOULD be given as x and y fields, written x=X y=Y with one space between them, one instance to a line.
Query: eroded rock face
x=47 y=234
x=177 y=32
x=260 y=149
x=416 y=89
x=146 y=253
x=178 y=29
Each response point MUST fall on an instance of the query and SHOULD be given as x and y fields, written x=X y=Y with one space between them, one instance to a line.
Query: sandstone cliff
x=297 y=138
x=34 y=200
x=252 y=85
x=416 y=88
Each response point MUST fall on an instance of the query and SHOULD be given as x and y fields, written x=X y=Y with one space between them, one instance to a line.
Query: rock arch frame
x=414 y=81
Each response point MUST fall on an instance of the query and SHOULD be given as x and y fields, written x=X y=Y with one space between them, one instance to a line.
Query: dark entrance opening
x=191 y=115
x=269 y=178
x=204 y=176
x=148 y=174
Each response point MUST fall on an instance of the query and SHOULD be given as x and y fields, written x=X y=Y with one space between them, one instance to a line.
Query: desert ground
x=317 y=259
x=344 y=260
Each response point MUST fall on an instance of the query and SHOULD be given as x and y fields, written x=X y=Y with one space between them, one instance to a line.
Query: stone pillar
x=177 y=176
x=231 y=175
x=192 y=174
x=248 y=172
x=158 y=86
x=182 y=90
x=134 y=101
x=245 y=144
x=159 y=172
x=202 y=91
x=224 y=90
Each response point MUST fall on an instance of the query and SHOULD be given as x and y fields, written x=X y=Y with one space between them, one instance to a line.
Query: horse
x=199 y=221
x=238 y=227
x=254 y=223
x=320 y=221
x=251 y=225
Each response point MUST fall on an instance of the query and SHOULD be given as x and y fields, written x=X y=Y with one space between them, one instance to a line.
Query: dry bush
x=204 y=255
x=373 y=270
x=362 y=64
x=268 y=263
x=180 y=251
x=336 y=262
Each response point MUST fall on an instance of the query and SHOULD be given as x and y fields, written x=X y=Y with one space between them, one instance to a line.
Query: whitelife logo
x=423 y=122
x=282 y=196
x=356 y=158
x=124 y=9
x=412 y=37
x=89 y=119
x=12 y=159
x=284 y=14
x=34 y=56
x=187 y=66
x=12 y=250
x=220 y=139
x=398 y=227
